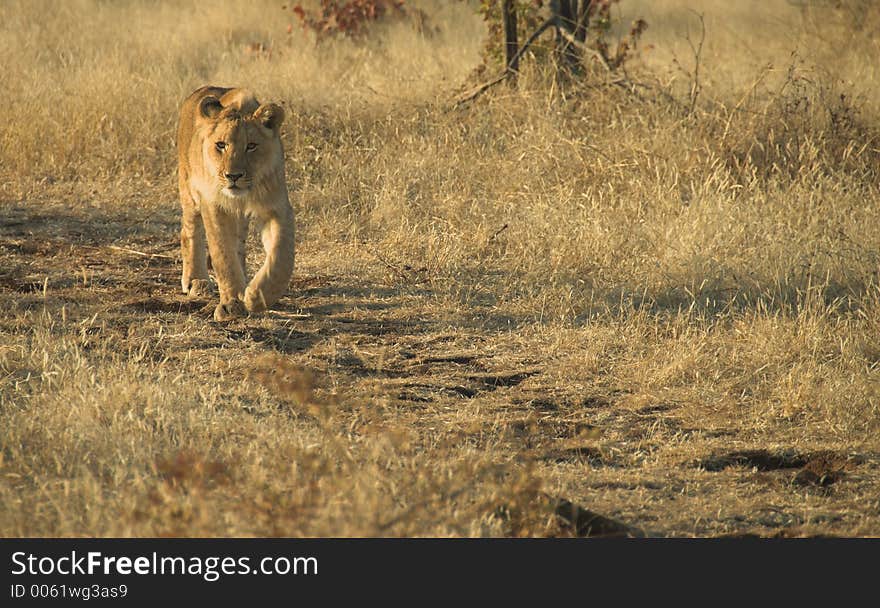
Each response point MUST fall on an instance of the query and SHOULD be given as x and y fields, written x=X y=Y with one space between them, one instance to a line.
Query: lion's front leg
x=243 y=226
x=222 y=230
x=193 y=248
x=270 y=282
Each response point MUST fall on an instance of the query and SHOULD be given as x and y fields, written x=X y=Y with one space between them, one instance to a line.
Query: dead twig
x=405 y=272
x=573 y=41
x=622 y=81
x=497 y=232
x=697 y=51
x=482 y=88
x=478 y=90
x=141 y=253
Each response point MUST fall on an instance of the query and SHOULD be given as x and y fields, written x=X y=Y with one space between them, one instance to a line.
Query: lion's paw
x=254 y=300
x=230 y=310
x=200 y=288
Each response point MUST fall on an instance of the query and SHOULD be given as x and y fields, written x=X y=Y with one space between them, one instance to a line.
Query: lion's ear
x=210 y=107
x=270 y=115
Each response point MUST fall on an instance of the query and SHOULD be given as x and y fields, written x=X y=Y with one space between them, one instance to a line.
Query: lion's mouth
x=234 y=190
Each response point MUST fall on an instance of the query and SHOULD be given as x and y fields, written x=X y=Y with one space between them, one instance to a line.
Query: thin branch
x=402 y=272
x=497 y=232
x=697 y=51
x=586 y=49
x=511 y=43
x=566 y=27
x=480 y=89
x=141 y=253
x=583 y=20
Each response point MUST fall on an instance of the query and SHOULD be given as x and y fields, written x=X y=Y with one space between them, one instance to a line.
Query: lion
x=231 y=170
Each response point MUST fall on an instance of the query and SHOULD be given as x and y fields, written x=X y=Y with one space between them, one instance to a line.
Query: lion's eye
x=220 y=145
x=251 y=146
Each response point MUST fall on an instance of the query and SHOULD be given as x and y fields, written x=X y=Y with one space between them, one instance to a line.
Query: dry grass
x=668 y=318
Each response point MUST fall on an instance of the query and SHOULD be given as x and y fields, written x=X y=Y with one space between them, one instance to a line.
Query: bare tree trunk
x=567 y=13
x=583 y=20
x=511 y=44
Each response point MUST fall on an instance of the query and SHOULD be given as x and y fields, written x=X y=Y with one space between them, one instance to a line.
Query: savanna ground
x=580 y=291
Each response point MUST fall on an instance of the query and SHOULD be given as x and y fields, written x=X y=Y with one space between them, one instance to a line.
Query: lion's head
x=241 y=146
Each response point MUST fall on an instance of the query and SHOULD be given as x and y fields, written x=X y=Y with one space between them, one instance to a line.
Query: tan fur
x=221 y=190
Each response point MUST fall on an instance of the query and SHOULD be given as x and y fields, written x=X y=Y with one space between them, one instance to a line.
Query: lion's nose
x=233 y=176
